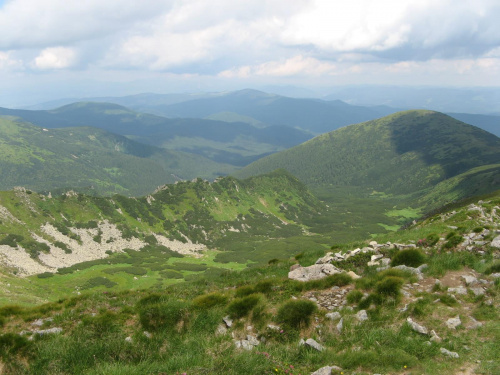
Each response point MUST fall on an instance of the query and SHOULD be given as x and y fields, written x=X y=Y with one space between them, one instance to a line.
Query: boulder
x=495 y=242
x=447 y=353
x=417 y=327
x=453 y=323
x=353 y=275
x=314 y=344
x=333 y=315
x=362 y=315
x=326 y=259
x=314 y=272
x=469 y=280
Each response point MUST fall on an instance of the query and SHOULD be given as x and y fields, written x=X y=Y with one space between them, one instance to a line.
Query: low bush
x=410 y=258
x=244 y=291
x=354 y=296
x=163 y=315
x=208 y=301
x=241 y=307
x=389 y=287
x=45 y=275
x=494 y=268
x=11 y=240
x=12 y=345
x=265 y=287
x=295 y=314
x=98 y=281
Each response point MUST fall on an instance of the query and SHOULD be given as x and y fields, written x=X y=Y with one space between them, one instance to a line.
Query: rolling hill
x=400 y=154
x=237 y=143
x=89 y=158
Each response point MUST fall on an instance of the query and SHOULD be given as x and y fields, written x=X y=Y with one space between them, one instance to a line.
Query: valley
x=130 y=232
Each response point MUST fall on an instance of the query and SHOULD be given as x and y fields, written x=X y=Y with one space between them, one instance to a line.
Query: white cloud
x=8 y=62
x=297 y=65
x=55 y=58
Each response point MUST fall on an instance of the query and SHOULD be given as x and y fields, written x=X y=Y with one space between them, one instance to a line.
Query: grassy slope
x=96 y=323
x=82 y=157
x=398 y=155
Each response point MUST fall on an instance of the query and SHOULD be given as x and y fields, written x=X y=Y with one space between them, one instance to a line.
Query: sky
x=58 y=48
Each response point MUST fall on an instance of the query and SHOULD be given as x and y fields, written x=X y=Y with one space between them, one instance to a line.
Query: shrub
x=45 y=275
x=62 y=246
x=448 y=300
x=429 y=241
x=208 y=301
x=98 y=281
x=162 y=316
x=296 y=313
x=12 y=345
x=354 y=296
x=244 y=291
x=11 y=240
x=477 y=229
x=241 y=307
x=453 y=241
x=410 y=258
x=389 y=286
x=264 y=286
x=494 y=268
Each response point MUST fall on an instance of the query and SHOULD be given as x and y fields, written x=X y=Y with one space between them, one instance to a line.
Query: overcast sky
x=69 y=48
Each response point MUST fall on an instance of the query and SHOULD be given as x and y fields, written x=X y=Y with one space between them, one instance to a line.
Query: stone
x=333 y=315
x=417 y=327
x=435 y=337
x=362 y=315
x=495 y=242
x=353 y=275
x=221 y=330
x=453 y=323
x=340 y=325
x=147 y=334
x=458 y=290
x=252 y=340
x=477 y=291
x=473 y=323
x=414 y=271
x=228 y=321
x=49 y=331
x=469 y=280
x=295 y=266
x=326 y=259
x=314 y=272
x=327 y=370
x=447 y=353
x=273 y=327
x=314 y=344
x=128 y=339
x=376 y=257
x=243 y=344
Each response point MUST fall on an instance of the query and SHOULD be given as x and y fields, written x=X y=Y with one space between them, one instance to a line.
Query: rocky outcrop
x=314 y=272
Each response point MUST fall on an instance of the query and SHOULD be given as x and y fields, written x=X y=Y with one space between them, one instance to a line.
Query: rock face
x=314 y=272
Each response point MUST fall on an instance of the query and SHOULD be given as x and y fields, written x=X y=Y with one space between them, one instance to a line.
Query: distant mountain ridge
x=235 y=143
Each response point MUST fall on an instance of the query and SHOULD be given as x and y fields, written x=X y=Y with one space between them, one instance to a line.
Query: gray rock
x=477 y=291
x=243 y=344
x=327 y=370
x=340 y=325
x=453 y=323
x=473 y=324
x=495 y=275
x=495 y=242
x=447 y=353
x=362 y=315
x=128 y=339
x=228 y=321
x=49 y=331
x=458 y=290
x=417 y=327
x=314 y=272
x=333 y=315
x=326 y=259
x=435 y=337
x=147 y=334
x=469 y=280
x=252 y=340
x=314 y=344
x=353 y=275
x=221 y=330
x=273 y=327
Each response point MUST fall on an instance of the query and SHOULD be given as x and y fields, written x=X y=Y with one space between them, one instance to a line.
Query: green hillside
x=89 y=158
x=397 y=155
x=127 y=318
x=236 y=142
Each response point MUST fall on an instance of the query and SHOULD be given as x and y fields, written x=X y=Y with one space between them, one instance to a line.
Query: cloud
x=7 y=62
x=297 y=65
x=55 y=58
x=48 y=23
